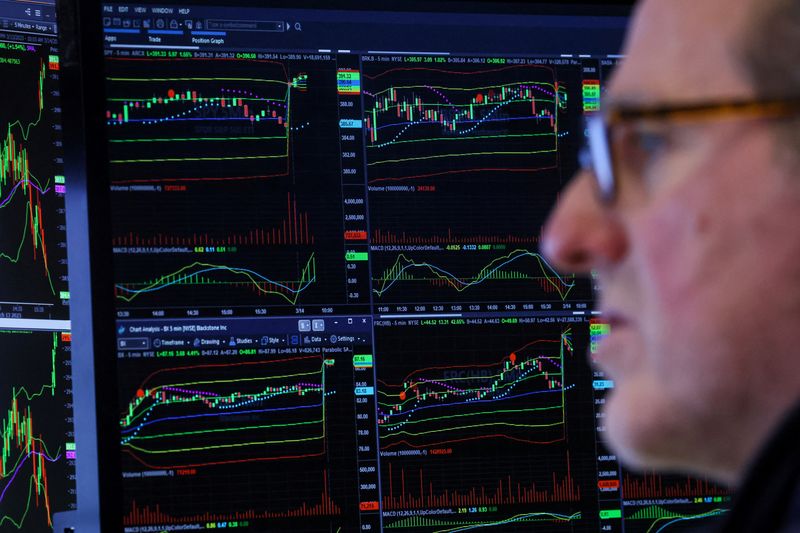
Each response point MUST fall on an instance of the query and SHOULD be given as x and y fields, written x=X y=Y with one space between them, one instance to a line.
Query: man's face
x=698 y=260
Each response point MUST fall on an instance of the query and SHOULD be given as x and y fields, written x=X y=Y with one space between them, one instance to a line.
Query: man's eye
x=650 y=143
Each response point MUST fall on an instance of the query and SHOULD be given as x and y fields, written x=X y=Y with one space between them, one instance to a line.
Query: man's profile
x=689 y=217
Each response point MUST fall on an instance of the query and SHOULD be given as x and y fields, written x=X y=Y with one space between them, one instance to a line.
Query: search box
x=246 y=25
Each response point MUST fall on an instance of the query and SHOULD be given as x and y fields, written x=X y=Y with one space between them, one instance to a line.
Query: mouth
x=613 y=337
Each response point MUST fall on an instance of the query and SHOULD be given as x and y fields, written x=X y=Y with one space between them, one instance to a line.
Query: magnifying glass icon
x=298 y=26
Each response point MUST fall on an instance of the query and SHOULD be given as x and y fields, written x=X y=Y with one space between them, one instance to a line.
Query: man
x=690 y=218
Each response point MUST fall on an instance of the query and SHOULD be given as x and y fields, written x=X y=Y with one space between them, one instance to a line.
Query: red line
x=420 y=176
x=216 y=463
x=193 y=367
x=172 y=180
x=408 y=376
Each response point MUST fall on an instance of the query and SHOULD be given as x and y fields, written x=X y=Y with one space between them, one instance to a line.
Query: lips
x=611 y=349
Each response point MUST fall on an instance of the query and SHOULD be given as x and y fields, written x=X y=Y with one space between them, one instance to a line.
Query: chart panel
x=32 y=183
x=476 y=423
x=37 y=468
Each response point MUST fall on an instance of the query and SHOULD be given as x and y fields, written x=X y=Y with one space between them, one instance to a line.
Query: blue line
x=511 y=521
x=140 y=426
x=478 y=401
x=165 y=32
x=120 y=30
x=211 y=33
x=19 y=467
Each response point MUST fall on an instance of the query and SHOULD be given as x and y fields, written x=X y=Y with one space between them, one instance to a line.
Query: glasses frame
x=598 y=153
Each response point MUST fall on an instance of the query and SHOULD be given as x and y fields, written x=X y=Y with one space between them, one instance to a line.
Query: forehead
x=684 y=50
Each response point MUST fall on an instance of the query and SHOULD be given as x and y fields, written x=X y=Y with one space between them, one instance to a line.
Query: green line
x=224 y=446
x=15 y=523
x=203 y=432
x=458 y=155
x=194 y=159
x=525 y=517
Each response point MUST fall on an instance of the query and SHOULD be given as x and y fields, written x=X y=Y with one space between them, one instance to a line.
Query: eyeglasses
x=602 y=153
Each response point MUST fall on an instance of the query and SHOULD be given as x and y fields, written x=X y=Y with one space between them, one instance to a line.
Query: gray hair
x=770 y=51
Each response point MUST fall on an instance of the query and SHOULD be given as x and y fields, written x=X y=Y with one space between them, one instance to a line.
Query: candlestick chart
x=283 y=398
x=37 y=460
x=32 y=232
x=175 y=122
x=494 y=138
x=261 y=426
x=490 y=402
x=450 y=404
x=220 y=194
x=423 y=123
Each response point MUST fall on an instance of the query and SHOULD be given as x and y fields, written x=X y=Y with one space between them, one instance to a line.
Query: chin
x=645 y=429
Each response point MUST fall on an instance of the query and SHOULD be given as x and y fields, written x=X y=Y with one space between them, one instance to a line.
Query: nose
x=581 y=234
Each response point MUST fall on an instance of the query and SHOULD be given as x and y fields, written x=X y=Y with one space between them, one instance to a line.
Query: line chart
x=656 y=518
x=506 y=274
x=209 y=281
x=233 y=127
x=217 y=414
x=444 y=525
x=33 y=448
x=424 y=123
x=520 y=398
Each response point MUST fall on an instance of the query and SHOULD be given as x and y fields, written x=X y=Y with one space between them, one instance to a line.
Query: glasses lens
x=600 y=151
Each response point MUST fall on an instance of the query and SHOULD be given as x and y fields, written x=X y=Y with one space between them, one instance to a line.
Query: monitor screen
x=37 y=445
x=331 y=310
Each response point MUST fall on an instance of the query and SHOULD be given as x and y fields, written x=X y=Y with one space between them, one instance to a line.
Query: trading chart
x=32 y=184
x=38 y=447
x=473 y=426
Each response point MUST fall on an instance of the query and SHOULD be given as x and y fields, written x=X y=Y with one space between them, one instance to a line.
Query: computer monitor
x=330 y=310
x=37 y=445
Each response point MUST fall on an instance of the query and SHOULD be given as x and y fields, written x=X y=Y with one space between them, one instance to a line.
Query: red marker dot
x=140 y=393
x=403 y=395
x=171 y=93
x=513 y=358
x=479 y=98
